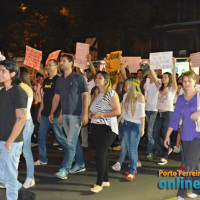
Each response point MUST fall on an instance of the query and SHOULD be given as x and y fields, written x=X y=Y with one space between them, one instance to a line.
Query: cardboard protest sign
x=82 y=51
x=54 y=55
x=33 y=58
x=112 y=65
x=161 y=60
x=132 y=63
x=195 y=59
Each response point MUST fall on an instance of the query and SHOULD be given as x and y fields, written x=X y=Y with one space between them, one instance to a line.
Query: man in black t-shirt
x=13 y=117
x=43 y=113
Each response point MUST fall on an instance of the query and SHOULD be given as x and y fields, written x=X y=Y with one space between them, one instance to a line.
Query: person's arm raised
x=174 y=83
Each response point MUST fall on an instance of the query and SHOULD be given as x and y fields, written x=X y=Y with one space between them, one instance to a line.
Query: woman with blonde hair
x=104 y=109
x=133 y=113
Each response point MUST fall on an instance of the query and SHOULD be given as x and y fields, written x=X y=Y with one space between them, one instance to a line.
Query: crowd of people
x=67 y=102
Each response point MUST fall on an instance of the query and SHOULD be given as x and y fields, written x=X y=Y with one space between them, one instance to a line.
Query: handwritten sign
x=112 y=65
x=54 y=55
x=132 y=63
x=195 y=59
x=33 y=58
x=161 y=60
x=82 y=51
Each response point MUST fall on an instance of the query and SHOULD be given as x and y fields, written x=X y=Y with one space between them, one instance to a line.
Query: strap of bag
x=198 y=102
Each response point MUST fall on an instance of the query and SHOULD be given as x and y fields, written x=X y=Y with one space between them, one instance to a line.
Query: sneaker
x=170 y=151
x=55 y=143
x=192 y=195
x=127 y=172
x=61 y=174
x=180 y=198
x=130 y=177
x=116 y=167
x=177 y=149
x=96 y=189
x=30 y=182
x=163 y=161
x=25 y=194
x=117 y=148
x=181 y=168
x=60 y=149
x=38 y=162
x=139 y=164
x=2 y=186
x=150 y=157
x=76 y=168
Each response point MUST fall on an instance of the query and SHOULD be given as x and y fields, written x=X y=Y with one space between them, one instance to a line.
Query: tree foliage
x=50 y=25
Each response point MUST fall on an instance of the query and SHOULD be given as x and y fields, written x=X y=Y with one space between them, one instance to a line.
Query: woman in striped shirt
x=104 y=109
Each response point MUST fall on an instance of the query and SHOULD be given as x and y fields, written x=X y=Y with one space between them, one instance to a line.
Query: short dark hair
x=69 y=58
x=38 y=74
x=139 y=70
x=12 y=66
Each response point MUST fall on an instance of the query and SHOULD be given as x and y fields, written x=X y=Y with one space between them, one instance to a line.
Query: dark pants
x=102 y=137
x=161 y=125
x=192 y=157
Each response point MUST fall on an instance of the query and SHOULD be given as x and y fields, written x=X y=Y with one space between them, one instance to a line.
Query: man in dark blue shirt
x=72 y=92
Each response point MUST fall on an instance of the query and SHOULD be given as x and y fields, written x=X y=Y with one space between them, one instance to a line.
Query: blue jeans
x=120 y=135
x=123 y=151
x=150 y=117
x=132 y=139
x=9 y=162
x=161 y=125
x=42 y=139
x=27 y=153
x=72 y=126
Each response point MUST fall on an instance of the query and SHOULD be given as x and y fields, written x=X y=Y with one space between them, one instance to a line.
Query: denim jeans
x=150 y=118
x=9 y=162
x=42 y=140
x=27 y=153
x=120 y=135
x=132 y=139
x=161 y=125
x=123 y=151
x=72 y=126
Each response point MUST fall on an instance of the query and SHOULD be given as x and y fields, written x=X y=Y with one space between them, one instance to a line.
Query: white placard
x=82 y=51
x=161 y=60
x=195 y=59
x=132 y=63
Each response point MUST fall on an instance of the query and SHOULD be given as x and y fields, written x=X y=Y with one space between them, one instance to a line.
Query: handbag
x=198 y=109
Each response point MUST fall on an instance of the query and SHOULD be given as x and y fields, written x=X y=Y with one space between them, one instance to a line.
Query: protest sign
x=54 y=55
x=161 y=60
x=112 y=65
x=33 y=58
x=82 y=51
x=195 y=59
x=132 y=63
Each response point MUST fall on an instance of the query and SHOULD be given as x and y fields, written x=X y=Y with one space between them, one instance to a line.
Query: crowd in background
x=74 y=102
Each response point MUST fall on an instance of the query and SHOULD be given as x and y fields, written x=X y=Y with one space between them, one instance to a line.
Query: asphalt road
x=77 y=186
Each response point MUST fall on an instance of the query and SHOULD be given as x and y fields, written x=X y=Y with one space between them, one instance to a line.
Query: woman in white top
x=104 y=109
x=167 y=91
x=28 y=129
x=133 y=113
